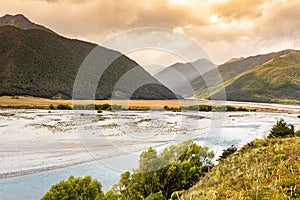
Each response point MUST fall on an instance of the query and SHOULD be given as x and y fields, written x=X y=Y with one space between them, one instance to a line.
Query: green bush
x=105 y=106
x=242 y=109
x=230 y=108
x=205 y=108
x=64 y=107
x=227 y=152
x=279 y=157
x=167 y=108
x=156 y=196
x=75 y=188
x=158 y=176
x=297 y=133
x=281 y=129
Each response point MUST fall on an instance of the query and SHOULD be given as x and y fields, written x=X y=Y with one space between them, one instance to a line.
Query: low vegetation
x=158 y=176
x=227 y=152
x=63 y=107
x=262 y=169
x=208 y=108
x=109 y=107
x=266 y=78
x=76 y=189
x=282 y=129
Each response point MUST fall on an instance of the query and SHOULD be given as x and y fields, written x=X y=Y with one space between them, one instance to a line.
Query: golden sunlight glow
x=176 y=2
x=214 y=19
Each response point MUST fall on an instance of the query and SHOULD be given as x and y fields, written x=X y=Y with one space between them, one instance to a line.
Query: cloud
x=162 y=13
x=238 y=9
x=281 y=20
x=225 y=28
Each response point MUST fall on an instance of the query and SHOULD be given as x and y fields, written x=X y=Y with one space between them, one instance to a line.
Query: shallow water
x=39 y=129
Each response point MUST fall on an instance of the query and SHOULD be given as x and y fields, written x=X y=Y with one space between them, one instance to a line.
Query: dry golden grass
x=262 y=169
x=35 y=102
x=42 y=102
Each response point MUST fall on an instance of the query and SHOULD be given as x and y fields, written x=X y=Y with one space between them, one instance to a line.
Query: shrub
x=279 y=157
x=75 y=188
x=230 y=108
x=167 y=108
x=156 y=196
x=297 y=133
x=78 y=107
x=227 y=152
x=51 y=107
x=105 y=106
x=205 y=108
x=281 y=129
x=64 y=107
x=242 y=109
x=158 y=176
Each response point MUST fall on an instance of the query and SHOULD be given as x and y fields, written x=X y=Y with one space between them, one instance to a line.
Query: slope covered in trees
x=42 y=64
x=271 y=77
x=277 y=80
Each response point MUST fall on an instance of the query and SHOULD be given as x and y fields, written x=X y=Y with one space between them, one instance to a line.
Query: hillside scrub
x=282 y=129
x=158 y=176
x=75 y=189
x=261 y=169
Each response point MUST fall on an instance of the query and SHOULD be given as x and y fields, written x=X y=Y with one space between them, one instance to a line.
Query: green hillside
x=38 y=63
x=276 y=78
x=262 y=169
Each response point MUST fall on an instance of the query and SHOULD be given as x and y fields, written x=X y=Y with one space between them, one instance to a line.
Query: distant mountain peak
x=288 y=51
x=235 y=59
x=22 y=22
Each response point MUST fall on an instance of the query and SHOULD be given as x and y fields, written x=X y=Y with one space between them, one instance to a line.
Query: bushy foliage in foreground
x=159 y=175
x=262 y=169
x=227 y=152
x=282 y=129
x=76 y=189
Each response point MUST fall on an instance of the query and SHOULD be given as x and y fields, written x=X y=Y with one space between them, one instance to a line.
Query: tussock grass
x=262 y=169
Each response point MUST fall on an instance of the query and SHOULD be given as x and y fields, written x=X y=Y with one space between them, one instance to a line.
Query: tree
x=281 y=129
x=227 y=152
x=177 y=168
x=156 y=196
x=76 y=189
x=185 y=164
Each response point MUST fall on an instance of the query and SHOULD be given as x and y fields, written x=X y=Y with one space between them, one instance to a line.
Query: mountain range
x=178 y=76
x=36 y=61
x=20 y=21
x=273 y=77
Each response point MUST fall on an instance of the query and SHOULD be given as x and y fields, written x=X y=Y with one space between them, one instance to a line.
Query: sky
x=223 y=28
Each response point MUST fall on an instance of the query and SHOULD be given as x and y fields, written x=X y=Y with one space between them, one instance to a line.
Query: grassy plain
x=43 y=103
